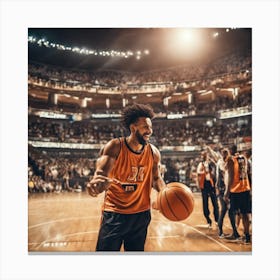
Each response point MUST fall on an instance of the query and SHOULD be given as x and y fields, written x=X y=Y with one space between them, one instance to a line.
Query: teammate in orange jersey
x=238 y=189
x=126 y=170
x=220 y=159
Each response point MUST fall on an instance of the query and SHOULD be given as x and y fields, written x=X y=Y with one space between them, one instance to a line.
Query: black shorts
x=241 y=202
x=127 y=229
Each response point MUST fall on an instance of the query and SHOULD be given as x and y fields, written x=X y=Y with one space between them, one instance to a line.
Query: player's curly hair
x=131 y=113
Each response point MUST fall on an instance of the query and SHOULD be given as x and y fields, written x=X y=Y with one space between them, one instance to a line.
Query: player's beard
x=140 y=138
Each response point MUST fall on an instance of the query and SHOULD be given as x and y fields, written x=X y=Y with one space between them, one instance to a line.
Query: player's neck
x=134 y=144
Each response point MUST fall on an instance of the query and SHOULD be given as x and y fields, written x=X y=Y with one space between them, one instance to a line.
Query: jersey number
x=136 y=174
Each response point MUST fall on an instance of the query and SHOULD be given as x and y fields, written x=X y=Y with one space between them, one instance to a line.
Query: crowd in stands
x=167 y=133
x=58 y=175
x=73 y=132
x=47 y=174
x=224 y=103
x=235 y=66
x=97 y=133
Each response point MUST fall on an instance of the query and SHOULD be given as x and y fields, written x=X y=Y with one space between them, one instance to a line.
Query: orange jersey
x=202 y=175
x=134 y=169
x=240 y=179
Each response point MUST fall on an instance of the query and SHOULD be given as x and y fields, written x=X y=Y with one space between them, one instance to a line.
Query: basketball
x=176 y=201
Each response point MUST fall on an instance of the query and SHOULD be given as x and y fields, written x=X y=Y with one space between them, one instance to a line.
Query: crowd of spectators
x=57 y=175
x=48 y=174
x=184 y=131
x=231 y=67
x=167 y=133
x=224 y=103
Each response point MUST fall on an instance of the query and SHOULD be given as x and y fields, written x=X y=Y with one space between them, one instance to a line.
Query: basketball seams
x=177 y=187
x=183 y=202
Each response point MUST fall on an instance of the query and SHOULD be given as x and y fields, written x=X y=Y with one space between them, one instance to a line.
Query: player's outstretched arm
x=214 y=156
x=104 y=164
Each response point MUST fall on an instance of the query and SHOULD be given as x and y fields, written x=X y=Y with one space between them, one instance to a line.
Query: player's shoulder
x=112 y=147
x=153 y=147
x=114 y=142
x=155 y=150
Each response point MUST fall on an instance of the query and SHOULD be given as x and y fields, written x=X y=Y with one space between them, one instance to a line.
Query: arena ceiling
x=160 y=48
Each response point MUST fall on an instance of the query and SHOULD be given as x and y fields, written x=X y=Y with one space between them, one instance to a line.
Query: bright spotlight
x=186 y=35
x=187 y=41
x=216 y=34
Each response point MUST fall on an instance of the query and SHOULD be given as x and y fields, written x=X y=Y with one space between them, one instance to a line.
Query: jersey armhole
x=120 y=142
x=152 y=150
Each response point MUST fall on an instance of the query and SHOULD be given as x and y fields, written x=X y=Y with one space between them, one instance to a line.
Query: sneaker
x=209 y=225
x=246 y=242
x=247 y=239
x=222 y=236
x=233 y=238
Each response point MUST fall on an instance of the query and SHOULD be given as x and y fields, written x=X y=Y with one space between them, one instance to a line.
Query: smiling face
x=142 y=129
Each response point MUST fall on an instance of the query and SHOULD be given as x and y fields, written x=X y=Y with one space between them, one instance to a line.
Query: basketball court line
x=163 y=237
x=62 y=220
x=200 y=232
x=212 y=239
x=54 y=240
x=48 y=200
x=63 y=236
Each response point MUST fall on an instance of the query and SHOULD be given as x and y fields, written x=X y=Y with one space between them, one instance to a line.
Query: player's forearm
x=158 y=184
x=104 y=165
x=213 y=154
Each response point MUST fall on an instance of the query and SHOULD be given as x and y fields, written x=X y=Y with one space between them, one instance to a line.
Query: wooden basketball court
x=69 y=222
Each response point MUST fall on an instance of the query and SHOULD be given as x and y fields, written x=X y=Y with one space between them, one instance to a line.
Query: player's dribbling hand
x=91 y=190
x=99 y=184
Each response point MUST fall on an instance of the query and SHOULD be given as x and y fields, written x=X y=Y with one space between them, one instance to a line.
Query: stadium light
x=43 y=42
x=186 y=41
x=186 y=35
x=216 y=34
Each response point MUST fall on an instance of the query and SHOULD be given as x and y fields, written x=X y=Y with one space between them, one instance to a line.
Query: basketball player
x=238 y=189
x=126 y=170
x=220 y=159
x=205 y=178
